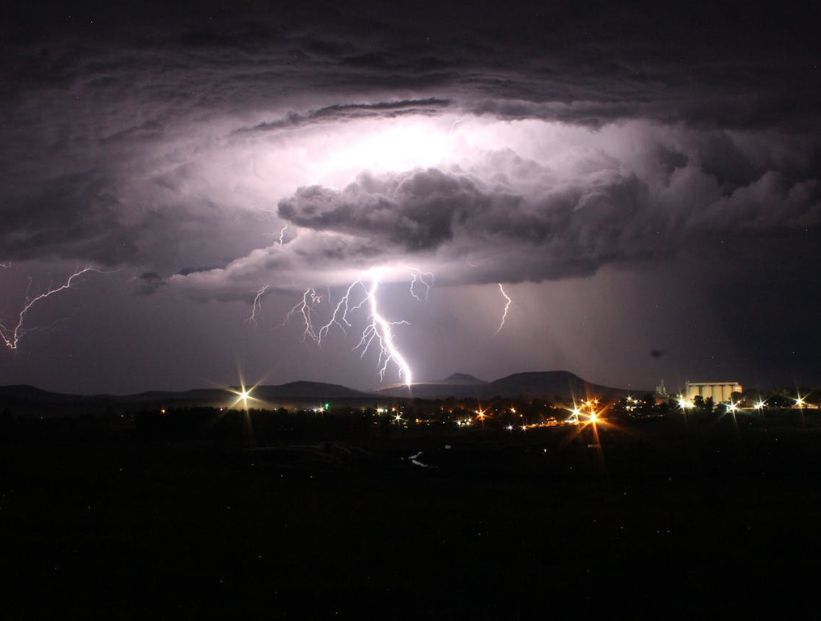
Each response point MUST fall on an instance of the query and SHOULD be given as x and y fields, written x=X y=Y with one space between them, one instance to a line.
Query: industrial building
x=718 y=391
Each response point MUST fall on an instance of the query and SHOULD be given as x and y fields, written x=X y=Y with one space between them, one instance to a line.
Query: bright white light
x=243 y=395
x=334 y=153
x=399 y=146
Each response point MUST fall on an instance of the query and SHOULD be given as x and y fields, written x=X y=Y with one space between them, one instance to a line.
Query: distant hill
x=29 y=400
x=24 y=394
x=544 y=384
x=462 y=378
x=308 y=390
x=454 y=385
x=548 y=384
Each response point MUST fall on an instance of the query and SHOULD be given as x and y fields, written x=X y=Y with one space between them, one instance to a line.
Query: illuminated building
x=661 y=391
x=718 y=391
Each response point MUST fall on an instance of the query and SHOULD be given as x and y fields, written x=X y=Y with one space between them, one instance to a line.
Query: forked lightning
x=11 y=337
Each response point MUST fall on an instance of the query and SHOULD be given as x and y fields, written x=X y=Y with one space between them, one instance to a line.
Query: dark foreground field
x=665 y=520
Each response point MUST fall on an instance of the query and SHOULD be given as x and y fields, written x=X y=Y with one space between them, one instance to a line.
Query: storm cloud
x=529 y=222
x=529 y=142
x=111 y=123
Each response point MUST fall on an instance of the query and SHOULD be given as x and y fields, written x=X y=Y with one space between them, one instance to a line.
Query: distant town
x=521 y=401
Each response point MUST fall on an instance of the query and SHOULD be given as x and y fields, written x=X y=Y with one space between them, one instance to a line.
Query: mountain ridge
x=529 y=384
x=562 y=385
x=461 y=378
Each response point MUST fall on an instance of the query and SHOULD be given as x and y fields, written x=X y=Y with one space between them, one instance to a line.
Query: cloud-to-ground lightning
x=282 y=234
x=377 y=333
x=381 y=331
x=11 y=337
x=507 y=308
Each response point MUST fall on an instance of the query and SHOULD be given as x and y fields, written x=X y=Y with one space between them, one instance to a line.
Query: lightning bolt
x=377 y=333
x=507 y=308
x=339 y=316
x=380 y=330
x=11 y=337
x=257 y=305
x=303 y=308
x=426 y=278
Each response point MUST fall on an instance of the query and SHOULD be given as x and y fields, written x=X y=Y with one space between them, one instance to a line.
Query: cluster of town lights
x=588 y=412
x=685 y=404
x=732 y=406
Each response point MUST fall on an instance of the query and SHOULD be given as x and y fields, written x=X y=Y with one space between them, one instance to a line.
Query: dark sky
x=643 y=181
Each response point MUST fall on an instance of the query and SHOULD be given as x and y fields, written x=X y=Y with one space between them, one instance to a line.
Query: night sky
x=642 y=180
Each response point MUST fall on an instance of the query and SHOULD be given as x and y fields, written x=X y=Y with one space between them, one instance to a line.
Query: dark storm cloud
x=730 y=64
x=416 y=211
x=173 y=143
x=108 y=108
x=426 y=210
x=149 y=282
x=382 y=109
x=564 y=227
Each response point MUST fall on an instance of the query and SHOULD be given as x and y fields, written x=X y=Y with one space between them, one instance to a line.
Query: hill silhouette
x=563 y=385
x=535 y=384
x=24 y=399
x=462 y=378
